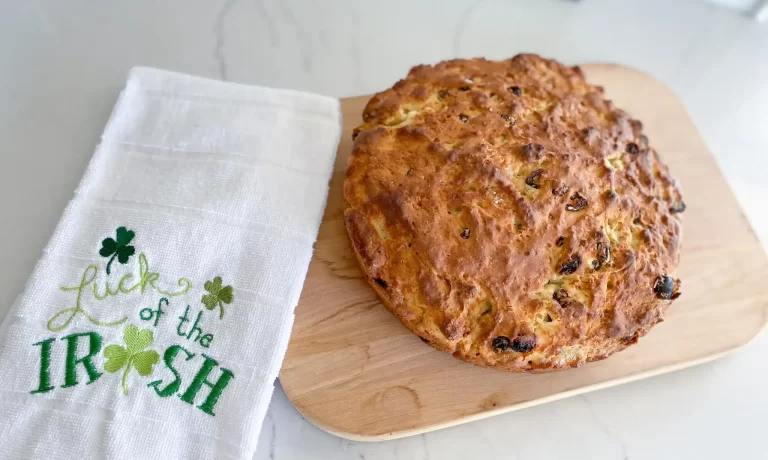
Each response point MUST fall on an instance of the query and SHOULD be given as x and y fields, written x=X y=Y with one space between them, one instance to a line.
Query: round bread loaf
x=507 y=213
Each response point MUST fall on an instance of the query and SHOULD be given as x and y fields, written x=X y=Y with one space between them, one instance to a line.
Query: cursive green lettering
x=107 y=291
x=147 y=277
x=68 y=314
x=64 y=317
x=121 y=285
x=183 y=283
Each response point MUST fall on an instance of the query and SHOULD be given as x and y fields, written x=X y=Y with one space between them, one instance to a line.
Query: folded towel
x=156 y=321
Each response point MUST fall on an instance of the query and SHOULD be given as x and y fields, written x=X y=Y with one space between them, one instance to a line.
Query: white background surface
x=62 y=64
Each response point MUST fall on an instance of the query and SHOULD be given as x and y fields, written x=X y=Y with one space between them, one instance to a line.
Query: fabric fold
x=155 y=323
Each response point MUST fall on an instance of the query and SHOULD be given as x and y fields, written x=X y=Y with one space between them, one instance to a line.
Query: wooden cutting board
x=352 y=369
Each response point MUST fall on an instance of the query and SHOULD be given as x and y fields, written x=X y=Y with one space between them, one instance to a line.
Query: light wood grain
x=352 y=369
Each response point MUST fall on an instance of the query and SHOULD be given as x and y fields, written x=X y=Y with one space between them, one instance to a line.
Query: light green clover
x=217 y=296
x=132 y=355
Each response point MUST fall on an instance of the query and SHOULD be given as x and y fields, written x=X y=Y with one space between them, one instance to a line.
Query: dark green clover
x=118 y=247
x=217 y=296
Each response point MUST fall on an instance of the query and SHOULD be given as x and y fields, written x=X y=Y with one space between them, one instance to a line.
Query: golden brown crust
x=510 y=215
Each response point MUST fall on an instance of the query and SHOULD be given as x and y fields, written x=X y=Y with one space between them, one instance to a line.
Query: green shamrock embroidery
x=119 y=247
x=132 y=355
x=218 y=295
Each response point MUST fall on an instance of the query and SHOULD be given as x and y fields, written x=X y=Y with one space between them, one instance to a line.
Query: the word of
x=147 y=314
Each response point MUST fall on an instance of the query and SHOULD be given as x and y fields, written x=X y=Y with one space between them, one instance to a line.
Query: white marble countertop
x=63 y=64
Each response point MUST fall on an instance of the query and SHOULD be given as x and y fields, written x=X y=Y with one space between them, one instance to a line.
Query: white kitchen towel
x=156 y=321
